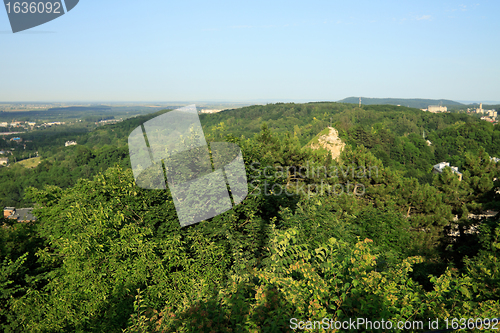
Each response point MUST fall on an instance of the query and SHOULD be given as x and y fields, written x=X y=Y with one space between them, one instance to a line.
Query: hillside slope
x=418 y=103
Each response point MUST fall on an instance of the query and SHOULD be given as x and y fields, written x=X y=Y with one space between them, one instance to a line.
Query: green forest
x=374 y=234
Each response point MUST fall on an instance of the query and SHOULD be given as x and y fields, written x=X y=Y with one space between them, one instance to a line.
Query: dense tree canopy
x=361 y=236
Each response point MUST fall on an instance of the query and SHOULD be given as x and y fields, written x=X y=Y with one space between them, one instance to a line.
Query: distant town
x=487 y=115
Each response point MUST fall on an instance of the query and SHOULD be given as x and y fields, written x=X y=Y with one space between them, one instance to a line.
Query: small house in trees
x=20 y=214
x=4 y=160
x=438 y=168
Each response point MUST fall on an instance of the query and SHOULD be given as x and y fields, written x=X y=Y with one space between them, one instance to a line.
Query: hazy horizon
x=245 y=102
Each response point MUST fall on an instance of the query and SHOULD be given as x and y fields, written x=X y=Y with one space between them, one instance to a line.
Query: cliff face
x=328 y=139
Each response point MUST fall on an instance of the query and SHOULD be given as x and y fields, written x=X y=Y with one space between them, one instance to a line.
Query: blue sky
x=255 y=50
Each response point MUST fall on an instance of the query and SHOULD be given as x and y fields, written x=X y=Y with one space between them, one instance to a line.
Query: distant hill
x=418 y=103
x=80 y=108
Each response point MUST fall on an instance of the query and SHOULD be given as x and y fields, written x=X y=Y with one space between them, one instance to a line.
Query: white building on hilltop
x=439 y=168
x=209 y=111
x=70 y=143
x=480 y=109
x=437 y=108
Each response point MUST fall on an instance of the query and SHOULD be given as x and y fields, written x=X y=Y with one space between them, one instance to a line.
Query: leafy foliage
x=369 y=235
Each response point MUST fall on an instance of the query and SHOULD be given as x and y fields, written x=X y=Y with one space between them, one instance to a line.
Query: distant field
x=30 y=163
x=11 y=133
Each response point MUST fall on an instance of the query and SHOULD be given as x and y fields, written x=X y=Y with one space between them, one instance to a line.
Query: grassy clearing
x=30 y=163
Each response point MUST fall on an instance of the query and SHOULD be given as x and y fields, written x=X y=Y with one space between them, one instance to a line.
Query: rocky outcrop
x=328 y=139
